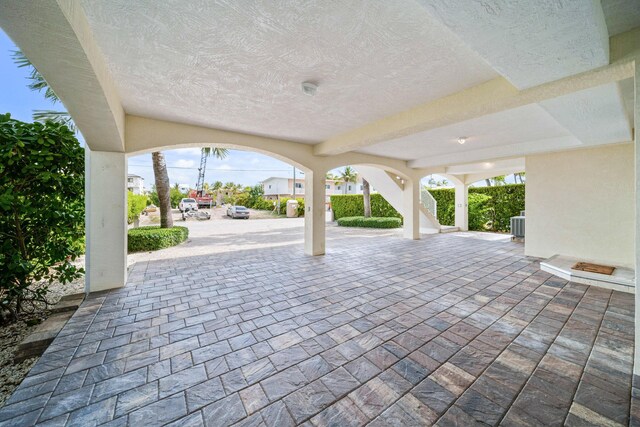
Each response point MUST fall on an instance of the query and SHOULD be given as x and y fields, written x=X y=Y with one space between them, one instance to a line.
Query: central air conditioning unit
x=517 y=226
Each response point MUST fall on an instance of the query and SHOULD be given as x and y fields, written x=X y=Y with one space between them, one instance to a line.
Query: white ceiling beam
x=56 y=37
x=491 y=97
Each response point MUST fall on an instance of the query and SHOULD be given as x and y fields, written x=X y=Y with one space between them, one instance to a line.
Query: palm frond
x=55 y=116
x=38 y=83
x=219 y=153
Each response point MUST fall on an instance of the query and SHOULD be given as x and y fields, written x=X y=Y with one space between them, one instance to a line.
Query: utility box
x=517 y=227
x=292 y=208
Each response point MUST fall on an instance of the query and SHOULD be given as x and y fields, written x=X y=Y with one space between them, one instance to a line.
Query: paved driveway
x=380 y=331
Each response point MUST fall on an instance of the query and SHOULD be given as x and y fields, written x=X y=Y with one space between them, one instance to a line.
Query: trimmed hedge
x=154 y=238
x=283 y=206
x=484 y=214
x=372 y=222
x=351 y=205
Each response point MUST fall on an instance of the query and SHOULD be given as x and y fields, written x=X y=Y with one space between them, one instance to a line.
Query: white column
x=105 y=220
x=462 y=206
x=636 y=365
x=411 y=209
x=314 y=213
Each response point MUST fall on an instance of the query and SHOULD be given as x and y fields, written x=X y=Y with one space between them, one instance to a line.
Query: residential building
x=275 y=187
x=135 y=184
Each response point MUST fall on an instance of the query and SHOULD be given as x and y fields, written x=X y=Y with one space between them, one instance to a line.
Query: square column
x=105 y=220
x=411 y=209
x=462 y=207
x=314 y=213
x=636 y=118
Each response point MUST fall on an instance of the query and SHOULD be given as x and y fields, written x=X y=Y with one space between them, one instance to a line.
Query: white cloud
x=184 y=163
x=188 y=151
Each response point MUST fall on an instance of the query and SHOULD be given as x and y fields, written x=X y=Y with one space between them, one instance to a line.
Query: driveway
x=381 y=331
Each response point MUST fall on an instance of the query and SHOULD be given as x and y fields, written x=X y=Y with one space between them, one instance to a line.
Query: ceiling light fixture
x=309 y=88
x=462 y=140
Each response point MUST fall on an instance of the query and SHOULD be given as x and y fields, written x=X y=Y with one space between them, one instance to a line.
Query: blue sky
x=242 y=167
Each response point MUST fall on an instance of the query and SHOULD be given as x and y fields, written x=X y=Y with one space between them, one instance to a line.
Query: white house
x=276 y=187
x=135 y=184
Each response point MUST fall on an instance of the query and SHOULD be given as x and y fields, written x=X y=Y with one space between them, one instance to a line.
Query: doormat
x=594 y=268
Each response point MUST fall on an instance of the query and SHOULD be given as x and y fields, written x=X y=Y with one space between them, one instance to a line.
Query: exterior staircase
x=390 y=187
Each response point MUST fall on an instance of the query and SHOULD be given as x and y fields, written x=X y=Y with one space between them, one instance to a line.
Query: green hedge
x=373 y=222
x=154 y=238
x=484 y=214
x=136 y=203
x=351 y=205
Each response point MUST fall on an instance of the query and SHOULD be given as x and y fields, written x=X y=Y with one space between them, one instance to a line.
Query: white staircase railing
x=429 y=203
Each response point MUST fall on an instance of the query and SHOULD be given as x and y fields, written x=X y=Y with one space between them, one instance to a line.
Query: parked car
x=238 y=212
x=188 y=204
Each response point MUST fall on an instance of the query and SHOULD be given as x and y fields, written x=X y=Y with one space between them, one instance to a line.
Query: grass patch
x=373 y=222
x=153 y=238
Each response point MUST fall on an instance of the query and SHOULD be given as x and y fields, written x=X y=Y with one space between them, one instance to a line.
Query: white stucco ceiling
x=528 y=123
x=238 y=65
x=594 y=116
x=529 y=42
x=621 y=15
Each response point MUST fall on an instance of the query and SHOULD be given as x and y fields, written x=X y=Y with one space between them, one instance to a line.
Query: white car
x=238 y=212
x=188 y=204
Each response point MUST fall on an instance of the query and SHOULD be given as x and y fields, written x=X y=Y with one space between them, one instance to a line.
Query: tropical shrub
x=371 y=222
x=136 y=203
x=345 y=205
x=154 y=238
x=493 y=214
x=41 y=210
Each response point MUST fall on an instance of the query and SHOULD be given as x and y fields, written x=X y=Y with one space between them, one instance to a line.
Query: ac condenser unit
x=517 y=226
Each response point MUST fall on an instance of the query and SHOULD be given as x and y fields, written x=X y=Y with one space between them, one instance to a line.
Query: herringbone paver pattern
x=381 y=331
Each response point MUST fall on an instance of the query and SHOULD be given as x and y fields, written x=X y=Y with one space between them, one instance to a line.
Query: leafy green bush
x=372 y=222
x=154 y=238
x=136 y=203
x=345 y=205
x=263 y=204
x=493 y=215
x=41 y=210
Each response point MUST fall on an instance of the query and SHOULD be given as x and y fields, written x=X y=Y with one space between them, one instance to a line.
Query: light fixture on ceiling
x=462 y=140
x=309 y=88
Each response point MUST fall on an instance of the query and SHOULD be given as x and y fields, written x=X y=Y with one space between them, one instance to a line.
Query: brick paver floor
x=381 y=331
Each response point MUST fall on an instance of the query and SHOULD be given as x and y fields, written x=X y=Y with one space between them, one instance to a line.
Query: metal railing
x=429 y=203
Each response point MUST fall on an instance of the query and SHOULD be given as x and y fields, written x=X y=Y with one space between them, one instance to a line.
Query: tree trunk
x=366 y=197
x=163 y=188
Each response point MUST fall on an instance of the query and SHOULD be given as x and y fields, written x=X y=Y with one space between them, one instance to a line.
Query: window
x=298 y=185
x=337 y=187
x=361 y=188
x=349 y=188
x=269 y=186
x=328 y=187
x=130 y=179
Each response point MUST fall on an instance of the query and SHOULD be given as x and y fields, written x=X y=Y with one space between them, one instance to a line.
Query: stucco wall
x=581 y=203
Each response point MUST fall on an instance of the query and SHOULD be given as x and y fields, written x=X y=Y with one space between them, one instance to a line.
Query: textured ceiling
x=238 y=65
x=509 y=127
x=529 y=42
x=621 y=15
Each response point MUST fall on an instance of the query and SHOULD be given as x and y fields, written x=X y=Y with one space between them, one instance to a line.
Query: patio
x=446 y=330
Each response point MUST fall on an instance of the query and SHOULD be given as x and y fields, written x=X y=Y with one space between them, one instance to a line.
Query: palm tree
x=163 y=188
x=348 y=175
x=39 y=84
x=219 y=153
x=366 y=197
x=217 y=185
